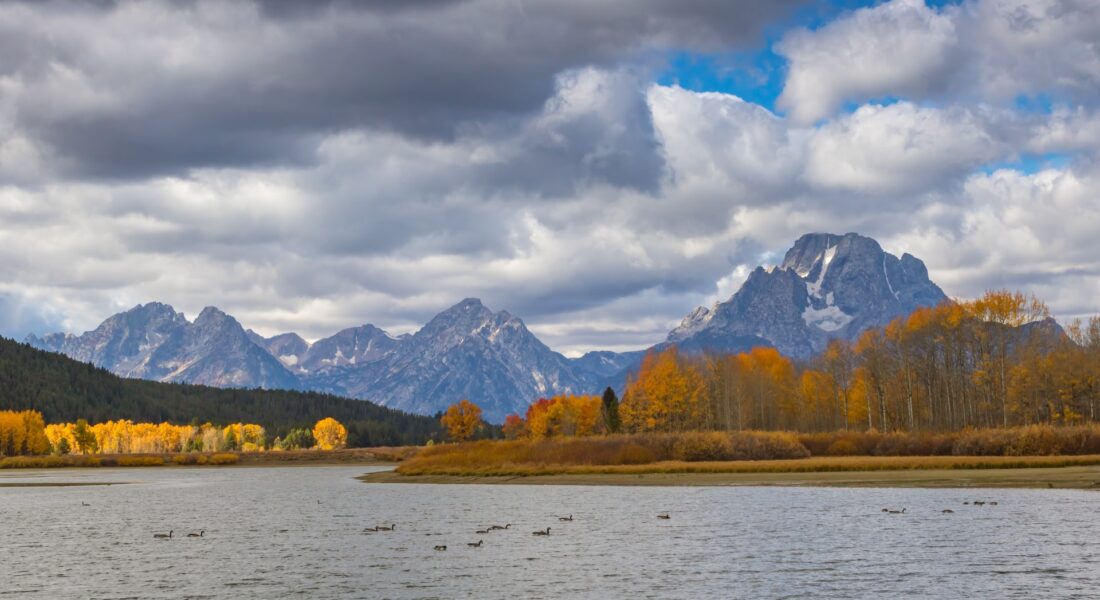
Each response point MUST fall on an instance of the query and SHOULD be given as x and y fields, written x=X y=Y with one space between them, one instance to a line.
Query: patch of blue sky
x=1032 y=163
x=1041 y=103
x=753 y=77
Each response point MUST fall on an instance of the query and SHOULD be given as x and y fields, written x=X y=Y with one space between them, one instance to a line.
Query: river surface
x=285 y=532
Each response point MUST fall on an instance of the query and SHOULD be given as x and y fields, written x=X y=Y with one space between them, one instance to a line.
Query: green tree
x=84 y=437
x=611 y=411
x=297 y=439
x=231 y=441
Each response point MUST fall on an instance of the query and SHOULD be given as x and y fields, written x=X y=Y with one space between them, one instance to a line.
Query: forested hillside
x=63 y=389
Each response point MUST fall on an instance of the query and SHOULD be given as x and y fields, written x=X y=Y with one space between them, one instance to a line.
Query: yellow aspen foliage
x=22 y=433
x=329 y=434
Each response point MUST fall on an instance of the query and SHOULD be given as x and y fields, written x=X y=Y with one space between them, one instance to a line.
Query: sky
x=598 y=169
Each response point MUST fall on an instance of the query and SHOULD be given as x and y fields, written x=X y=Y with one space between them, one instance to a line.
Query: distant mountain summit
x=827 y=286
x=466 y=351
x=153 y=341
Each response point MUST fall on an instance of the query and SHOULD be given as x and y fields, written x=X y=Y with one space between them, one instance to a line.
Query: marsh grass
x=764 y=452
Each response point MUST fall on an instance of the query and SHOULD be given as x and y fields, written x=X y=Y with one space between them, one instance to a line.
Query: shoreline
x=1079 y=478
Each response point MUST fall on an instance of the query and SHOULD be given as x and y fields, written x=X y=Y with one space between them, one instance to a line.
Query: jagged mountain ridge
x=467 y=351
x=155 y=342
x=827 y=286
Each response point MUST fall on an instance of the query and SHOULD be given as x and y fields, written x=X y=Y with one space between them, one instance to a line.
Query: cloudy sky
x=598 y=169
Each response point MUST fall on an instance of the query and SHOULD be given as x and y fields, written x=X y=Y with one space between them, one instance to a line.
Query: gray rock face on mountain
x=349 y=347
x=827 y=286
x=123 y=343
x=467 y=351
x=155 y=342
x=602 y=363
x=288 y=348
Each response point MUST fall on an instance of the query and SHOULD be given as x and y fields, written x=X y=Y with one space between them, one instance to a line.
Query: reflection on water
x=297 y=532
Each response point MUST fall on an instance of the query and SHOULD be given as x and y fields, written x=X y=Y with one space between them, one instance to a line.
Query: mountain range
x=827 y=286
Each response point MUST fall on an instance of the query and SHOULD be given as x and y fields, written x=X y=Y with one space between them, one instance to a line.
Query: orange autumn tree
x=563 y=415
x=514 y=427
x=461 y=420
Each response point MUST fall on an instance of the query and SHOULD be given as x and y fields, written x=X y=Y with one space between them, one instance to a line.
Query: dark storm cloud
x=132 y=89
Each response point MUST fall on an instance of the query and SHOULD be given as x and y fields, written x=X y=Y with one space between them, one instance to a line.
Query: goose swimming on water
x=441 y=548
x=477 y=545
x=199 y=534
x=547 y=532
x=162 y=536
x=569 y=518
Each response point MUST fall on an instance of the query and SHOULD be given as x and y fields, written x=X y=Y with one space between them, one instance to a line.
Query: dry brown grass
x=764 y=452
x=48 y=462
x=1034 y=440
x=642 y=449
x=804 y=465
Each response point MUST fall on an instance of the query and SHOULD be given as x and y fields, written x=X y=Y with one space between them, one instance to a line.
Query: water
x=296 y=532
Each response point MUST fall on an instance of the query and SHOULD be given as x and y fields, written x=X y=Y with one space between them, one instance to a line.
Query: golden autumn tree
x=22 y=432
x=461 y=420
x=330 y=434
x=667 y=394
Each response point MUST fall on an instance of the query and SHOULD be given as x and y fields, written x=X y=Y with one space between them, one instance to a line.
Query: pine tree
x=611 y=411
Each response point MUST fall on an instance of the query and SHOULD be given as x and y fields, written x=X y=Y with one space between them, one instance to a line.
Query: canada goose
x=496 y=527
x=994 y=503
x=966 y=503
x=664 y=515
x=199 y=534
x=979 y=503
x=441 y=548
x=947 y=511
x=483 y=531
x=547 y=532
x=162 y=536
x=384 y=528
x=886 y=510
x=82 y=503
x=569 y=518
x=370 y=529
x=897 y=512
x=473 y=545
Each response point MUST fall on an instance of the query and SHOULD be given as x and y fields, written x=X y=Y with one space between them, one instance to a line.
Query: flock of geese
x=946 y=511
x=168 y=536
x=489 y=529
x=540 y=532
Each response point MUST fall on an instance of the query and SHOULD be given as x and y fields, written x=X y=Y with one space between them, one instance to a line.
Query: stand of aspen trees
x=995 y=362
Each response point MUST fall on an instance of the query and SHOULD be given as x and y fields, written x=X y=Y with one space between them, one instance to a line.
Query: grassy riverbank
x=1078 y=472
x=346 y=456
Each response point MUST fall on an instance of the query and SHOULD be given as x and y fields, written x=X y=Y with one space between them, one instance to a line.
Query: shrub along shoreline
x=345 y=456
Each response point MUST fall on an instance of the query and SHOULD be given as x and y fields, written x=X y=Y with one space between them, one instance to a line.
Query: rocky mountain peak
x=827 y=286
x=692 y=323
